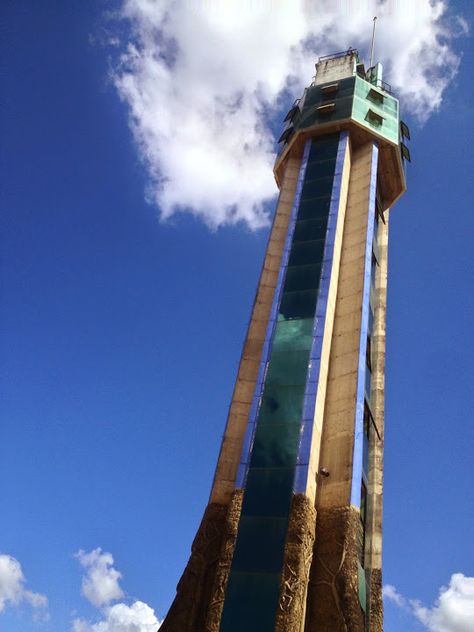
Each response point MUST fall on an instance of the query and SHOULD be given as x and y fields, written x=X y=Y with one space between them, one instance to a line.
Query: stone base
x=376 y=602
x=333 y=596
x=296 y=565
x=199 y=599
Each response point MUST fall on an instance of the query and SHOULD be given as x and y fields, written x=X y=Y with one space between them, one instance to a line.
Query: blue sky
x=121 y=333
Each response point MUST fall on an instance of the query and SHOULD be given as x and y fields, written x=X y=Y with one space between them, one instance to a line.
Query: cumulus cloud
x=390 y=593
x=100 y=584
x=203 y=79
x=138 y=617
x=12 y=586
x=452 y=612
x=454 y=609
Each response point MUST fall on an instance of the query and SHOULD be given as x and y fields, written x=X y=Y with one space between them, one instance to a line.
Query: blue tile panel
x=357 y=459
x=312 y=380
x=272 y=443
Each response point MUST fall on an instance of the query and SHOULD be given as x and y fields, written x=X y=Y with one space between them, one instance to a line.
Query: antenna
x=373 y=44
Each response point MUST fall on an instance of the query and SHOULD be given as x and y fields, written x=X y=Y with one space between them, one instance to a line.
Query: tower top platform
x=343 y=95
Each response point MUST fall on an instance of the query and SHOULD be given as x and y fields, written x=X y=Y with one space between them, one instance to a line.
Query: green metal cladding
x=351 y=98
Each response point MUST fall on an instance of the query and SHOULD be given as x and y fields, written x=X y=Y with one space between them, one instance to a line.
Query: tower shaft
x=291 y=538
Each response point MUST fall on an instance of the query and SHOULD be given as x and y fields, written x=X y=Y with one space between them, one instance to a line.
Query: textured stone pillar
x=333 y=603
x=374 y=509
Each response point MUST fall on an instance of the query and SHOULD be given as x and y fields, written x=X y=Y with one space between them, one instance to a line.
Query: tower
x=291 y=538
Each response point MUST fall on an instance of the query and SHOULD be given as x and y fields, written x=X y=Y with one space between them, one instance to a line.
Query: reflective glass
x=363 y=503
x=324 y=148
x=276 y=445
x=268 y=491
x=317 y=188
x=310 y=229
x=293 y=334
x=306 y=252
x=318 y=207
x=368 y=383
x=365 y=456
x=320 y=169
x=281 y=404
x=362 y=587
x=260 y=544
x=298 y=304
x=251 y=602
x=302 y=278
x=371 y=320
x=287 y=368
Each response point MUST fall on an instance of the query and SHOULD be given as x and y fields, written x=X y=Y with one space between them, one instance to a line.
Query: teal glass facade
x=270 y=457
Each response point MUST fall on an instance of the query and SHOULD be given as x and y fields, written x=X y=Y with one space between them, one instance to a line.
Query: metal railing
x=383 y=85
x=349 y=51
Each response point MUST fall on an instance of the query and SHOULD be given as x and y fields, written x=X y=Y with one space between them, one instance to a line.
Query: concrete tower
x=291 y=538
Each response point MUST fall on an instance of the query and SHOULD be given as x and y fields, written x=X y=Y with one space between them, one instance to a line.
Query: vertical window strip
x=254 y=408
x=254 y=579
x=311 y=388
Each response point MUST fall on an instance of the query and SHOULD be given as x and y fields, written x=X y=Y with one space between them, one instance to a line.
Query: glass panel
x=317 y=188
x=298 y=304
x=281 y=404
x=365 y=456
x=319 y=207
x=293 y=334
x=275 y=445
x=373 y=269
x=368 y=383
x=367 y=437
x=287 y=368
x=311 y=229
x=362 y=588
x=306 y=252
x=251 y=602
x=302 y=278
x=363 y=503
x=320 y=169
x=268 y=491
x=368 y=353
x=260 y=544
x=371 y=320
x=324 y=148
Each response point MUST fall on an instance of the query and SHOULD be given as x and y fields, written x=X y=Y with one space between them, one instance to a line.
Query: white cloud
x=12 y=586
x=138 y=617
x=201 y=80
x=454 y=609
x=100 y=585
x=452 y=612
x=390 y=593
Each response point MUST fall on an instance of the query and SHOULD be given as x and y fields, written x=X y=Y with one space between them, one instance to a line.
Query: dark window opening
x=363 y=503
x=376 y=96
x=368 y=353
x=326 y=109
x=371 y=320
x=375 y=117
x=329 y=89
x=373 y=270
